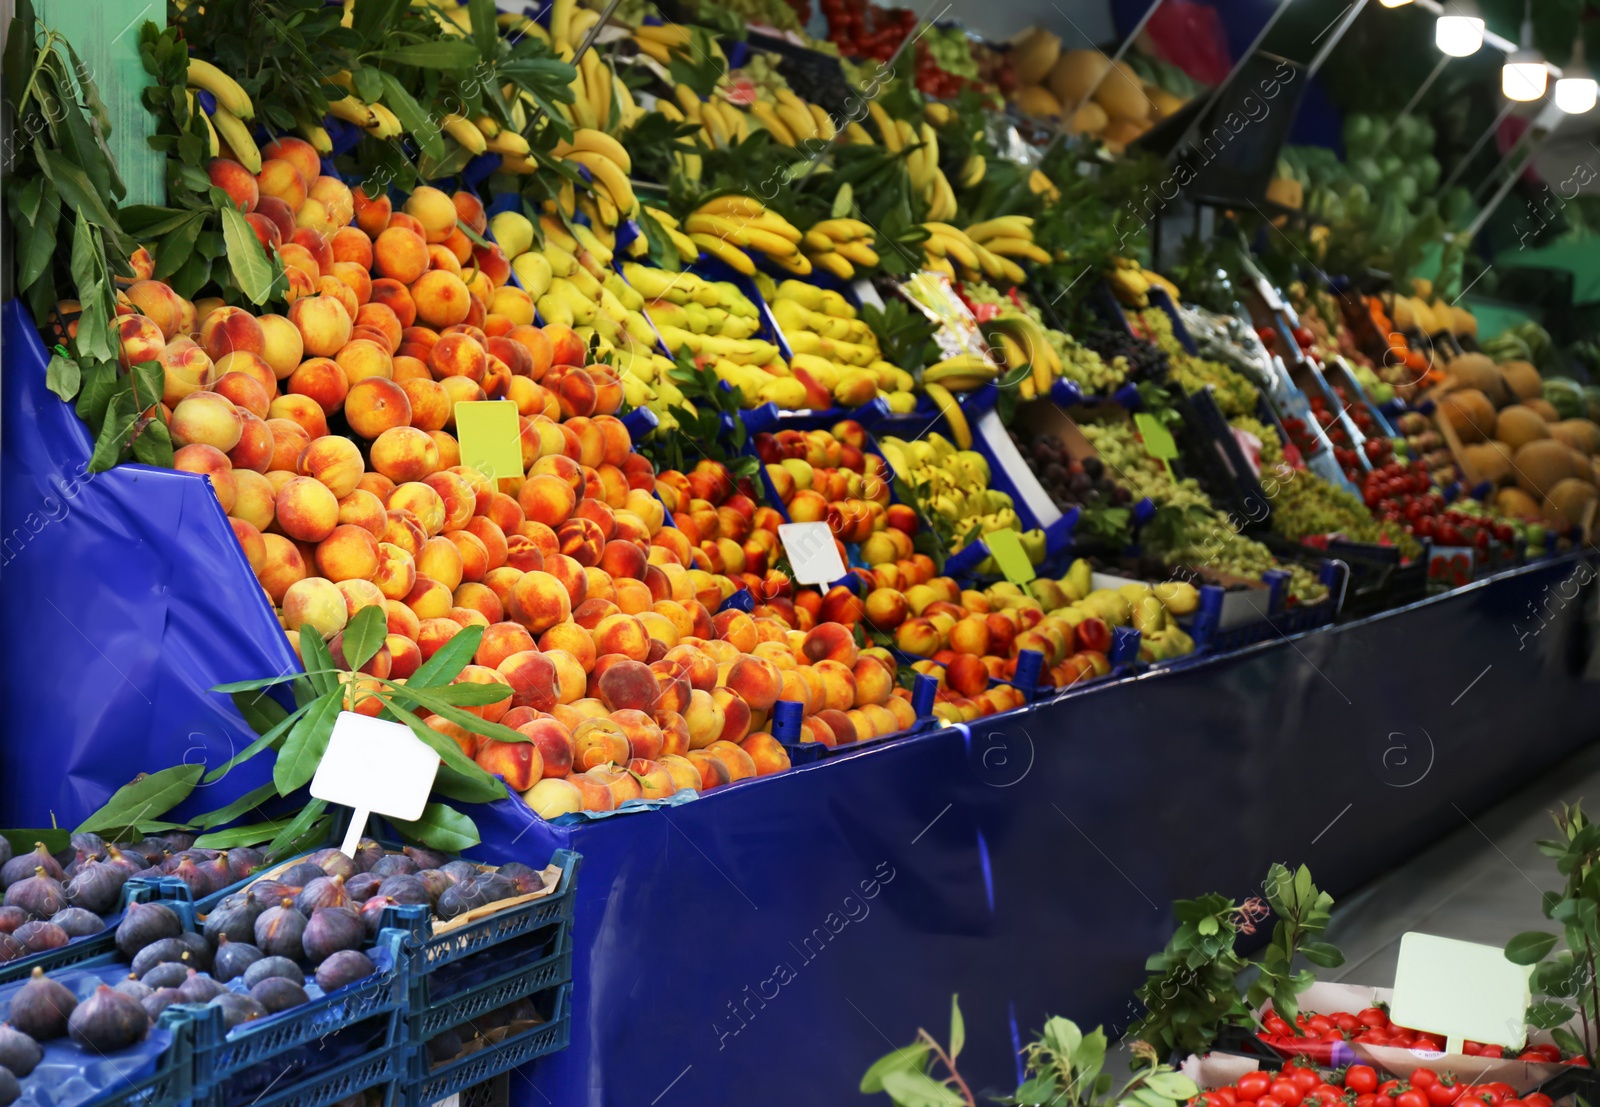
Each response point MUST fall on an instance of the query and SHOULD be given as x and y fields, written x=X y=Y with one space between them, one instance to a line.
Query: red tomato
x=1374 y=1037
x=1319 y=1023
x=1441 y=1094
x=1212 y=1099
x=1486 y=1092
x=1374 y=1017
x=1287 y=1091
x=1333 y=1034
x=1305 y=1079
x=1423 y=1078
x=1492 y=1051
x=1361 y=1079
x=1411 y=1098
x=1253 y=1085
x=1579 y=1060
x=1536 y=1099
x=1274 y=1024
x=1471 y=1049
x=1369 y=1100
x=1346 y=1021
x=1228 y=1096
x=1400 y=1041
x=1506 y=1090
x=1269 y=1101
x=1328 y=1093
x=1389 y=1088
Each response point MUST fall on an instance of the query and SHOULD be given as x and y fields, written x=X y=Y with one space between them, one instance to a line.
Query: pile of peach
x=826 y=476
x=727 y=531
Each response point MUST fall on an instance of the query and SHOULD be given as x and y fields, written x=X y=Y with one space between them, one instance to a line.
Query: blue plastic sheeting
x=765 y=943
x=128 y=597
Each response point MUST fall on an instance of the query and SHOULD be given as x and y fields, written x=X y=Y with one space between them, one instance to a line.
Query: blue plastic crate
x=384 y=1068
x=304 y=1044
x=426 y=1085
x=171 y=1084
x=168 y=890
x=474 y=996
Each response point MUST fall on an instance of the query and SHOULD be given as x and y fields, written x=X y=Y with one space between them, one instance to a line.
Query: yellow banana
x=817 y=243
x=858 y=252
x=508 y=142
x=887 y=131
x=673 y=34
x=773 y=223
x=835 y=264
x=1008 y=226
x=465 y=132
x=213 y=145
x=1017 y=248
x=824 y=122
x=936 y=113
x=775 y=125
x=798 y=264
x=561 y=22
x=711 y=119
x=725 y=252
x=525 y=167
x=732 y=204
x=857 y=134
x=947 y=405
x=659 y=52
x=386 y=124
x=687 y=249
x=606 y=172
x=229 y=95
x=597 y=79
x=316 y=134
x=798 y=120
x=587 y=138
x=237 y=136
x=688 y=101
x=972 y=172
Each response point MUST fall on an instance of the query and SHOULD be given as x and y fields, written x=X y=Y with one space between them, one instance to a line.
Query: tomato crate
x=506 y=1048
x=293 y=1056
x=168 y=890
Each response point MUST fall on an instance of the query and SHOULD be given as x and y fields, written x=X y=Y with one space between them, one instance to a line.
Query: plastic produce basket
x=296 y=1056
x=168 y=890
x=427 y=1084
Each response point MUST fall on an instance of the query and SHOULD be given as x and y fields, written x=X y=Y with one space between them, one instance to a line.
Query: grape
x=1234 y=393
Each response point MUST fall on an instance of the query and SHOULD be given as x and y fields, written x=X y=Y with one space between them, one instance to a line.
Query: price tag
x=373 y=765
x=490 y=437
x=812 y=554
x=1158 y=441
x=1461 y=990
x=1005 y=546
x=1250 y=447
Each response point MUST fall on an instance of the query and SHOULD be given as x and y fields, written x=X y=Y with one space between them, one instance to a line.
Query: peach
x=479 y=597
x=284 y=566
x=254 y=499
x=574 y=390
x=251 y=542
x=312 y=215
x=298 y=153
x=321 y=380
x=655 y=780
x=440 y=561
x=404 y=656
x=683 y=771
x=334 y=195
x=298 y=256
x=480 y=674
x=571 y=681
x=736 y=714
x=400 y=254
x=314 y=602
x=359 y=594
x=713 y=770
x=843 y=729
x=546 y=499
x=741 y=766
x=141 y=341
x=755 y=680
x=207 y=419
x=323 y=322
x=458 y=355
x=629 y=684
x=335 y=462
x=839 y=684
x=737 y=628
x=644 y=735
x=185 y=366
x=390 y=293
x=766 y=753
x=228 y=329
x=404 y=454
x=582 y=540
x=566 y=348
x=570 y=574
x=554 y=743
x=245 y=392
x=705 y=718
x=970 y=635
x=966 y=674
x=351 y=244
x=200 y=458
x=886 y=608
x=157 y=300
x=813 y=729
x=403 y=529
x=371 y=213
x=434 y=633
x=308 y=511
x=519 y=764
x=348 y=553
x=832 y=641
x=267 y=232
x=874 y=681
x=396 y=573
x=434 y=209
x=375 y=405
x=457 y=494
x=430 y=403
x=621 y=634
x=539 y=602
x=918 y=636
x=442 y=299
x=255 y=447
x=597 y=742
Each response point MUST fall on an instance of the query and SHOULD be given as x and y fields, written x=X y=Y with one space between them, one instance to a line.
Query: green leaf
x=262 y=713
x=958 y=1027
x=245 y=803
x=363 y=636
x=1530 y=947
x=77 y=192
x=1172 y=1085
x=441 y=706
x=173 y=249
x=1548 y=1014
x=152 y=443
x=290 y=835
x=422 y=127
x=441 y=828
x=1062 y=1036
x=114 y=432
x=269 y=737
x=445 y=665
x=439 y=54
x=145 y=797
x=477 y=787
x=62 y=376
x=251 y=269
x=148 y=380
x=484 y=31
x=320 y=669
x=38 y=234
x=23 y=841
x=253 y=834
x=1322 y=954
x=469 y=693
x=446 y=748
x=917 y=1089
x=306 y=743
x=100 y=383
x=237 y=686
x=909 y=1058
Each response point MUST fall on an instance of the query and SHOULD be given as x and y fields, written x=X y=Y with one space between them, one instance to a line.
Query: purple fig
x=168 y=974
x=11 y=949
x=144 y=923
x=435 y=881
x=18 y=1052
x=405 y=889
x=233 y=958
x=362 y=886
x=526 y=879
x=108 y=1021
x=199 y=883
x=77 y=922
x=217 y=872
x=178 y=840
x=269 y=893
x=273 y=966
x=40 y=1008
x=87 y=842
x=198 y=948
x=395 y=864
x=244 y=861
x=327 y=891
x=5 y=852
x=345 y=967
x=301 y=874
x=23 y=867
x=334 y=863
x=497 y=887
x=237 y=1009
x=158 y=1001
x=40 y=895
x=39 y=936
x=148 y=852
x=138 y=989
x=331 y=929
x=277 y=994
x=96 y=887
x=233 y=918
x=372 y=910
x=458 y=899
x=428 y=858
x=160 y=952
x=458 y=871
x=125 y=863
x=367 y=855
x=12 y=917
x=10 y=1088
x=279 y=931
x=199 y=988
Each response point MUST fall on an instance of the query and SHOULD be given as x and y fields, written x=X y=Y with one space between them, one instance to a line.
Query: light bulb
x=1524 y=76
x=1394 y=3
x=1460 y=36
x=1576 y=95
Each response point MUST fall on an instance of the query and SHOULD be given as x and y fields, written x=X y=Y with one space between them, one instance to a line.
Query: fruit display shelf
x=138 y=890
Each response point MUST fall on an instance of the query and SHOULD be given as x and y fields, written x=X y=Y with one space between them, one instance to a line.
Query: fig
x=39 y=936
x=125 y=863
x=444 y=1047
x=244 y=861
x=199 y=988
x=496 y=887
x=277 y=994
x=301 y=874
x=362 y=887
x=136 y=988
x=270 y=893
x=10 y=1089
x=458 y=899
x=198 y=948
x=147 y=853
x=22 y=868
x=12 y=917
x=108 y=1021
x=96 y=887
x=88 y=842
x=159 y=952
x=218 y=873
x=279 y=931
x=199 y=883
x=177 y=840
x=158 y=1001
x=405 y=889
x=526 y=879
x=326 y=891
x=345 y=967
x=233 y=958
x=238 y=1009
x=40 y=895
x=234 y=918
x=144 y=923
x=367 y=855
x=331 y=929
x=5 y=852
x=427 y=858
x=77 y=922
x=18 y=1052
x=436 y=881
x=11 y=949
x=40 y=1008
x=458 y=871
x=371 y=913
x=395 y=864
x=168 y=974
x=334 y=863
x=273 y=966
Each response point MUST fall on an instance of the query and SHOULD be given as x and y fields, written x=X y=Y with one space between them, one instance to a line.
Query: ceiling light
x=1576 y=95
x=1394 y=3
x=1459 y=30
x=1524 y=76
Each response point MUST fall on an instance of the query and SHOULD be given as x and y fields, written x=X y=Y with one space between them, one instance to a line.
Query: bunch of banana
x=233 y=107
x=792 y=120
x=661 y=41
x=483 y=135
x=568 y=25
x=376 y=119
x=729 y=226
x=1022 y=341
x=1010 y=236
x=608 y=165
x=948 y=247
x=952 y=484
x=1040 y=185
x=688 y=249
x=962 y=373
x=839 y=246
x=836 y=355
x=1131 y=283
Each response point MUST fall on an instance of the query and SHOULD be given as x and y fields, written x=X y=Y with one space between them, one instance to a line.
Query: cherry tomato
x=1274 y=1024
x=1270 y=1101
x=1333 y=1034
x=1320 y=1023
x=1328 y=1093
x=1492 y=1051
x=1441 y=1094
x=1486 y=1092
x=1424 y=1078
x=1411 y=1098
x=1253 y=1085
x=1374 y=1017
x=1305 y=1079
x=1506 y=1090
x=1580 y=1060
x=1536 y=1099
x=1361 y=1079
x=1212 y=1099
x=1369 y=1100
x=1346 y=1021
x=1228 y=1096
x=1373 y=1037
x=1287 y=1091
x=1389 y=1088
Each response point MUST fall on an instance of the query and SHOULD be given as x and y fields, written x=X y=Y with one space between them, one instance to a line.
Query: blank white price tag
x=1462 y=990
x=373 y=765
x=812 y=554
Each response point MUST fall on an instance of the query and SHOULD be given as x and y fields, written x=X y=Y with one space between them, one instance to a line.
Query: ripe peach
x=316 y=602
x=428 y=599
x=479 y=674
x=307 y=510
x=208 y=419
x=970 y=635
x=766 y=753
x=966 y=674
x=478 y=597
x=683 y=771
x=396 y=574
x=629 y=684
x=597 y=742
x=364 y=359
x=546 y=499
x=200 y=458
x=570 y=575
x=302 y=410
x=886 y=608
x=323 y=322
x=566 y=348
x=403 y=527
x=440 y=561
x=375 y=405
x=434 y=210
x=289 y=441
x=255 y=447
x=392 y=294
x=539 y=602
x=736 y=714
x=519 y=764
x=334 y=461
x=874 y=681
x=334 y=195
x=321 y=380
x=741 y=766
x=433 y=634
x=755 y=680
x=186 y=366
x=156 y=300
x=141 y=340
x=312 y=215
x=228 y=329
x=458 y=355
x=737 y=628
x=282 y=180
x=621 y=634
x=643 y=734
x=574 y=390
x=267 y=232
x=244 y=392
x=400 y=254
x=442 y=299
x=830 y=640
x=713 y=770
x=918 y=636
x=352 y=244
x=283 y=567
x=348 y=553
x=298 y=153
x=255 y=499
x=371 y=213
x=251 y=542
x=404 y=454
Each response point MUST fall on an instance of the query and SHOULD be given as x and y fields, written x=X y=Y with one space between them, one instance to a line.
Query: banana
x=465 y=132
x=212 y=143
x=824 y=122
x=858 y=252
x=587 y=138
x=775 y=125
x=843 y=230
x=857 y=134
x=561 y=22
x=582 y=20
x=659 y=52
x=671 y=34
x=666 y=219
x=816 y=242
x=688 y=101
x=230 y=96
x=591 y=243
x=352 y=110
x=687 y=249
x=796 y=117
x=1009 y=226
x=972 y=172
x=944 y=245
x=798 y=264
x=947 y=405
x=316 y=134
x=386 y=125
x=525 y=167
x=936 y=113
x=606 y=172
x=1017 y=248
x=725 y=252
x=237 y=136
x=835 y=264
x=930 y=149
x=711 y=119
x=509 y=143
x=887 y=131
x=732 y=204
x=773 y=223
x=1039 y=184
x=597 y=80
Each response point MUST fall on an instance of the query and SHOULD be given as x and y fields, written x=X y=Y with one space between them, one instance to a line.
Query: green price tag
x=1005 y=546
x=1461 y=990
x=1158 y=441
x=490 y=437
